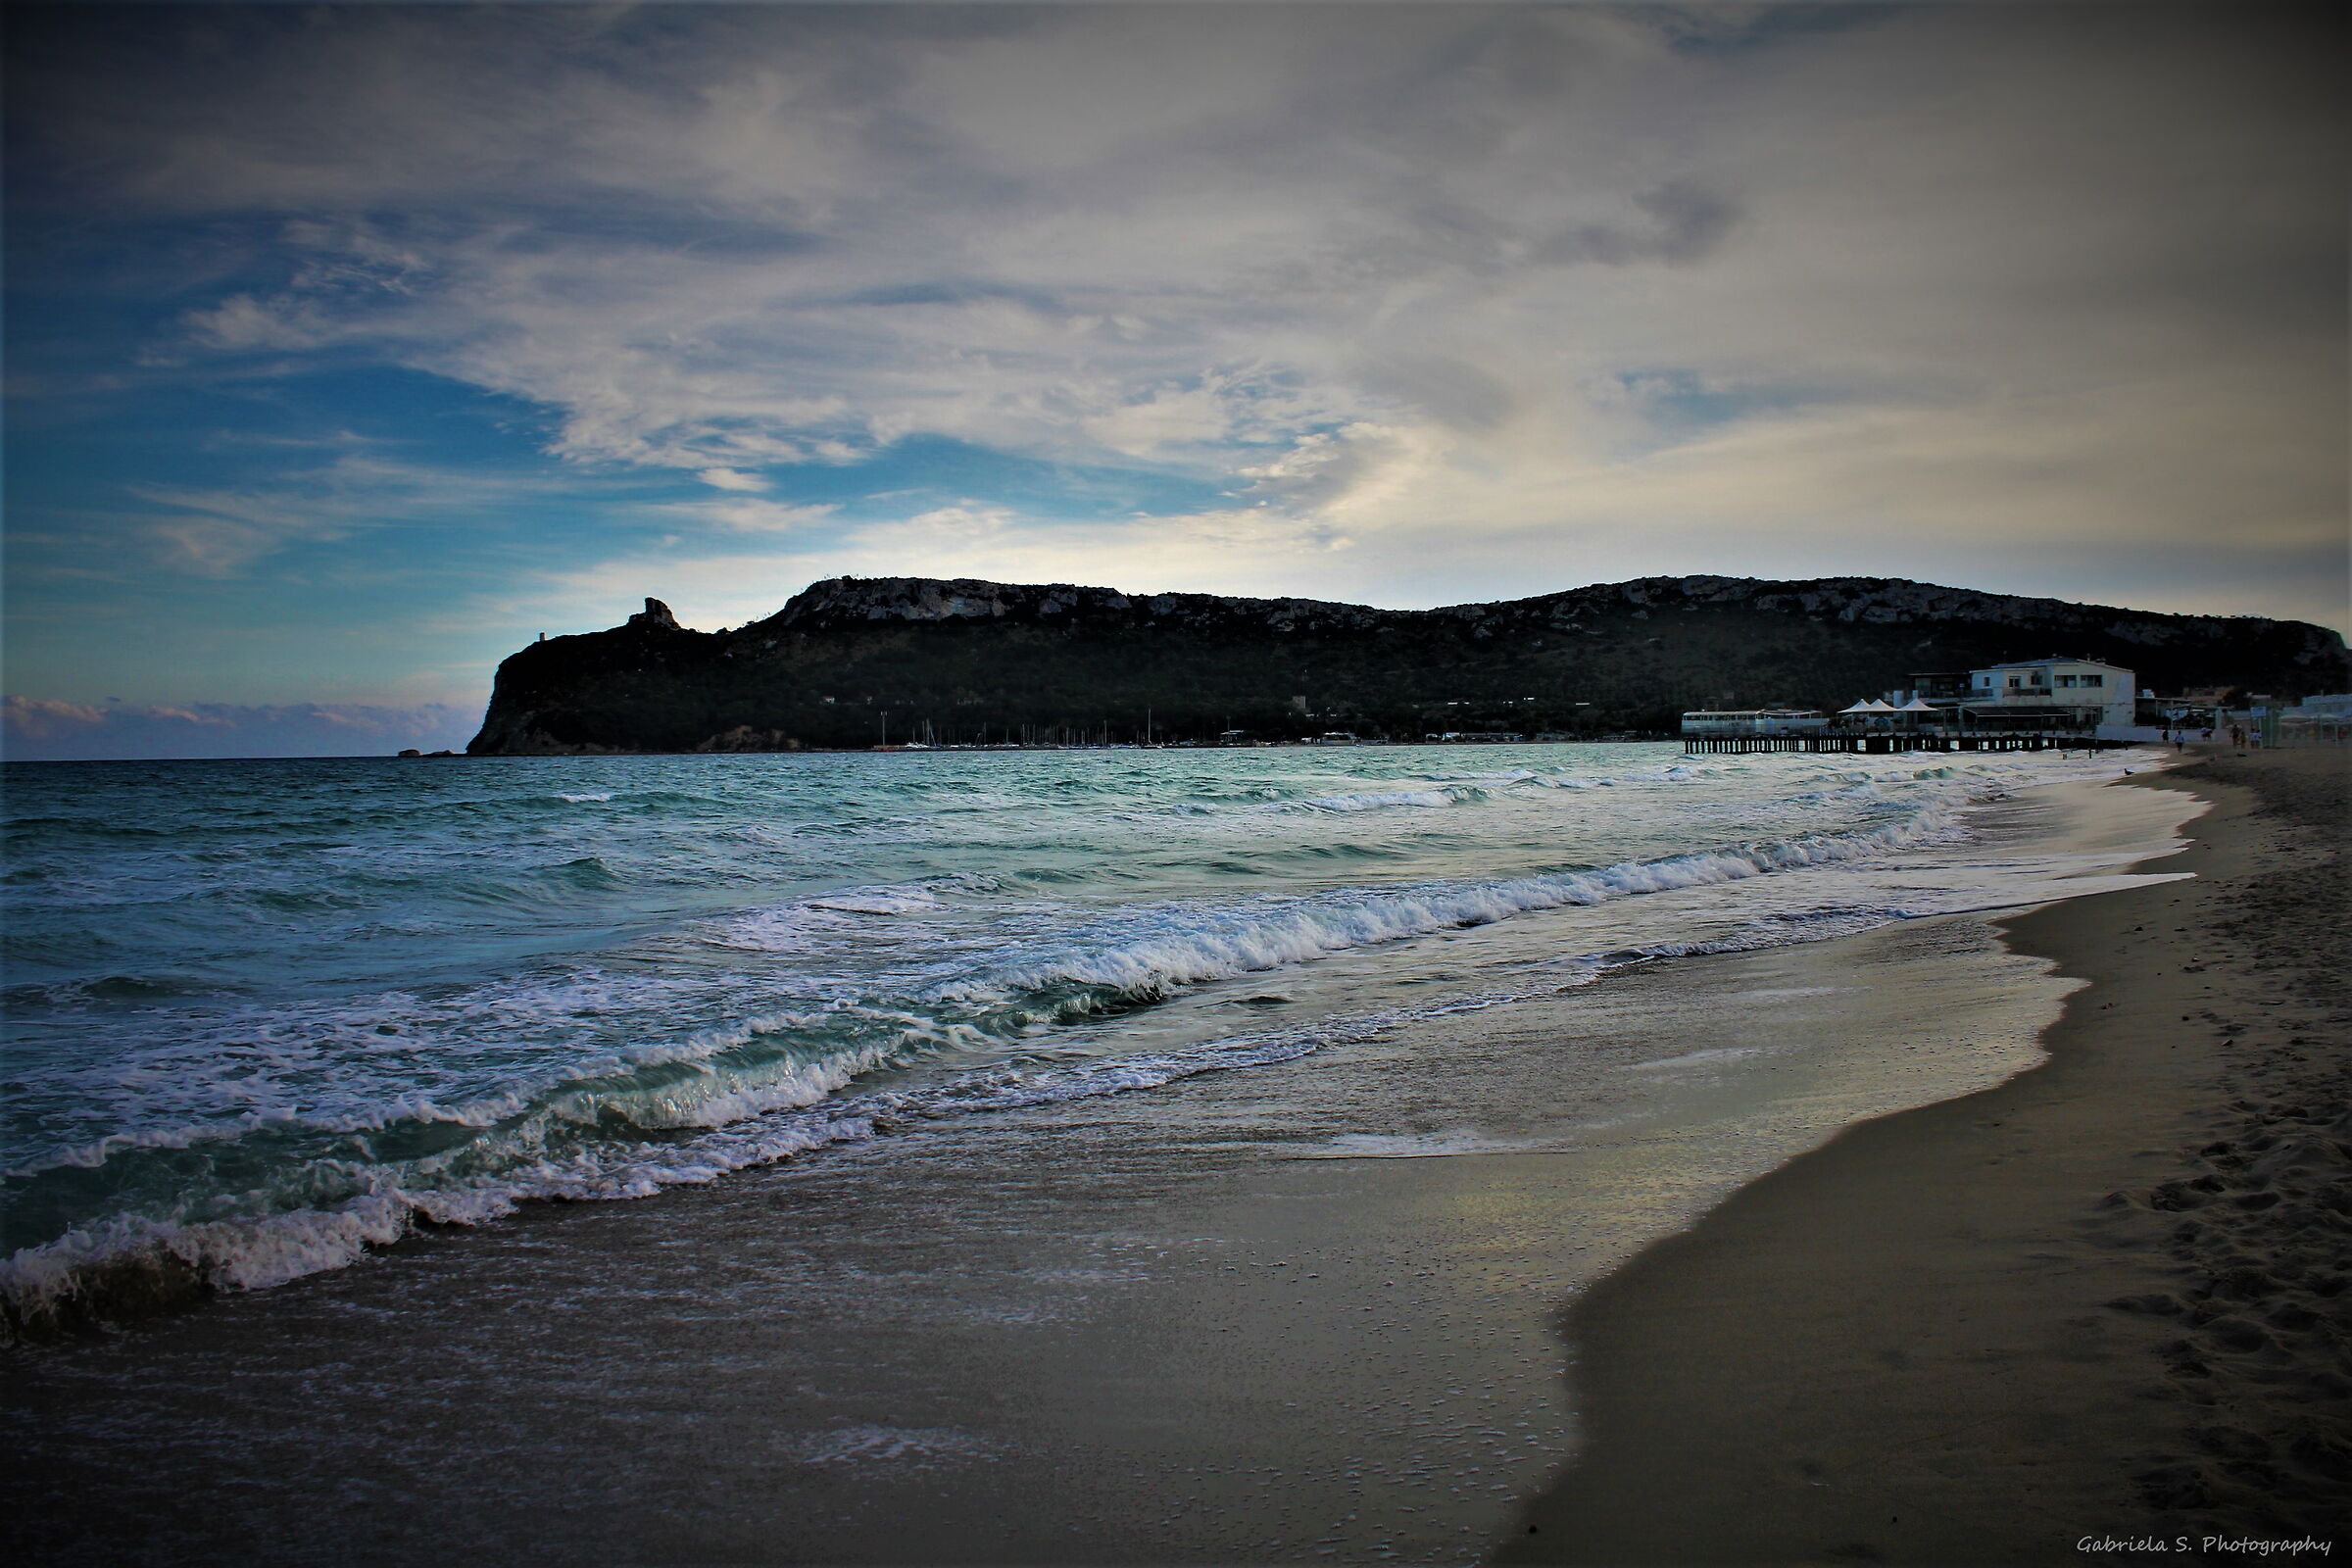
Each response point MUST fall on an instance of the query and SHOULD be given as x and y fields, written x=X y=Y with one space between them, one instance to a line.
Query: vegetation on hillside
x=855 y=662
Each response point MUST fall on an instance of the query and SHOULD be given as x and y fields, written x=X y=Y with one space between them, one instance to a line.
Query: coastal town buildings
x=2081 y=693
x=2054 y=694
x=2057 y=695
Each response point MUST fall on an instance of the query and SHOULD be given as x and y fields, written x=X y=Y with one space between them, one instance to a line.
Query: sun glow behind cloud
x=1404 y=304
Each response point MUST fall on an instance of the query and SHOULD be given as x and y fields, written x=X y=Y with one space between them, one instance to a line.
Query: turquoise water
x=262 y=1015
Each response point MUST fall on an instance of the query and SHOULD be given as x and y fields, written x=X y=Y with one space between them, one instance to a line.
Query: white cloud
x=223 y=531
x=731 y=479
x=216 y=533
x=242 y=322
x=746 y=516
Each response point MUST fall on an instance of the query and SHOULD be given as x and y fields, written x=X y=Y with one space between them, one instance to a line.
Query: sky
x=350 y=347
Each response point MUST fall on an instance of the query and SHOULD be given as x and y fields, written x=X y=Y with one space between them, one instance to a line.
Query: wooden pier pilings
x=1894 y=744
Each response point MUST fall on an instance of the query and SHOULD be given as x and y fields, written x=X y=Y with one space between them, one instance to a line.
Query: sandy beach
x=2087 y=1314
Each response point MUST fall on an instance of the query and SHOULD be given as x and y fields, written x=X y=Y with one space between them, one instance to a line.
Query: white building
x=2071 y=693
x=1755 y=721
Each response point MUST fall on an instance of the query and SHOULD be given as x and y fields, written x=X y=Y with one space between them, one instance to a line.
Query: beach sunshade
x=1915 y=706
x=1862 y=707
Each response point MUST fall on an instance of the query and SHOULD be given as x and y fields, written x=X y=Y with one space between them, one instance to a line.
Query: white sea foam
x=677 y=1063
x=805 y=926
x=1377 y=799
x=766 y=1126
x=918 y=1448
x=1189 y=948
x=1421 y=1145
x=274 y=1248
x=879 y=900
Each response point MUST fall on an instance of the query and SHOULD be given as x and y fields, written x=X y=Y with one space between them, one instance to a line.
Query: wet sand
x=2104 y=1303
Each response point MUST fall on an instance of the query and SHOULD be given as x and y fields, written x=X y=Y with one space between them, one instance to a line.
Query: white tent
x=1869 y=705
x=1915 y=706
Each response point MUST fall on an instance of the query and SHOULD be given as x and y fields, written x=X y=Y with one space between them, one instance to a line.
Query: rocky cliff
x=852 y=662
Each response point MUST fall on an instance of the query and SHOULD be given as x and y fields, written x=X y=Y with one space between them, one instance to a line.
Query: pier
x=1893 y=745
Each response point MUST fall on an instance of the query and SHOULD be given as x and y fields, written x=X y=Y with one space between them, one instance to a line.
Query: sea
x=274 y=1025
x=265 y=1014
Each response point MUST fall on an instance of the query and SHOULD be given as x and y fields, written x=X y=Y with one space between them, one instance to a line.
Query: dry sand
x=2106 y=1299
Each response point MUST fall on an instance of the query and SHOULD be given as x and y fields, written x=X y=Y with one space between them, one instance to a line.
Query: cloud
x=223 y=531
x=1246 y=549
x=242 y=323
x=746 y=515
x=781 y=242
x=1687 y=221
x=1433 y=302
x=215 y=534
x=731 y=479
x=41 y=729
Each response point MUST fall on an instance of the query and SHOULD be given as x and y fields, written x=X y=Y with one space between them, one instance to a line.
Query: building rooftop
x=2054 y=659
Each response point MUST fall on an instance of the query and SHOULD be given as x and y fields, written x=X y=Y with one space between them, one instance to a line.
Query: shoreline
x=2102 y=1301
x=1218 y=1336
x=103 y=1273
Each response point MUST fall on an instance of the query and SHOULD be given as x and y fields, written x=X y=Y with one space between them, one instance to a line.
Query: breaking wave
x=867 y=1007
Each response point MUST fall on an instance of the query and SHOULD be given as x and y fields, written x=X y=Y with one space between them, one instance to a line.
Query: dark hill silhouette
x=990 y=661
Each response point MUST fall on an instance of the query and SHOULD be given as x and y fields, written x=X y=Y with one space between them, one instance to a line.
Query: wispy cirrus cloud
x=746 y=515
x=211 y=533
x=328 y=491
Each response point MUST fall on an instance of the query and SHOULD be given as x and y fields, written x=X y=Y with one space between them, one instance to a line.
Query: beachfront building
x=2080 y=694
x=1755 y=721
x=2334 y=707
x=2326 y=717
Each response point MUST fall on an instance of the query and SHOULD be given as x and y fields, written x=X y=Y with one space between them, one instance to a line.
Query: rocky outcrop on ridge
x=855 y=661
